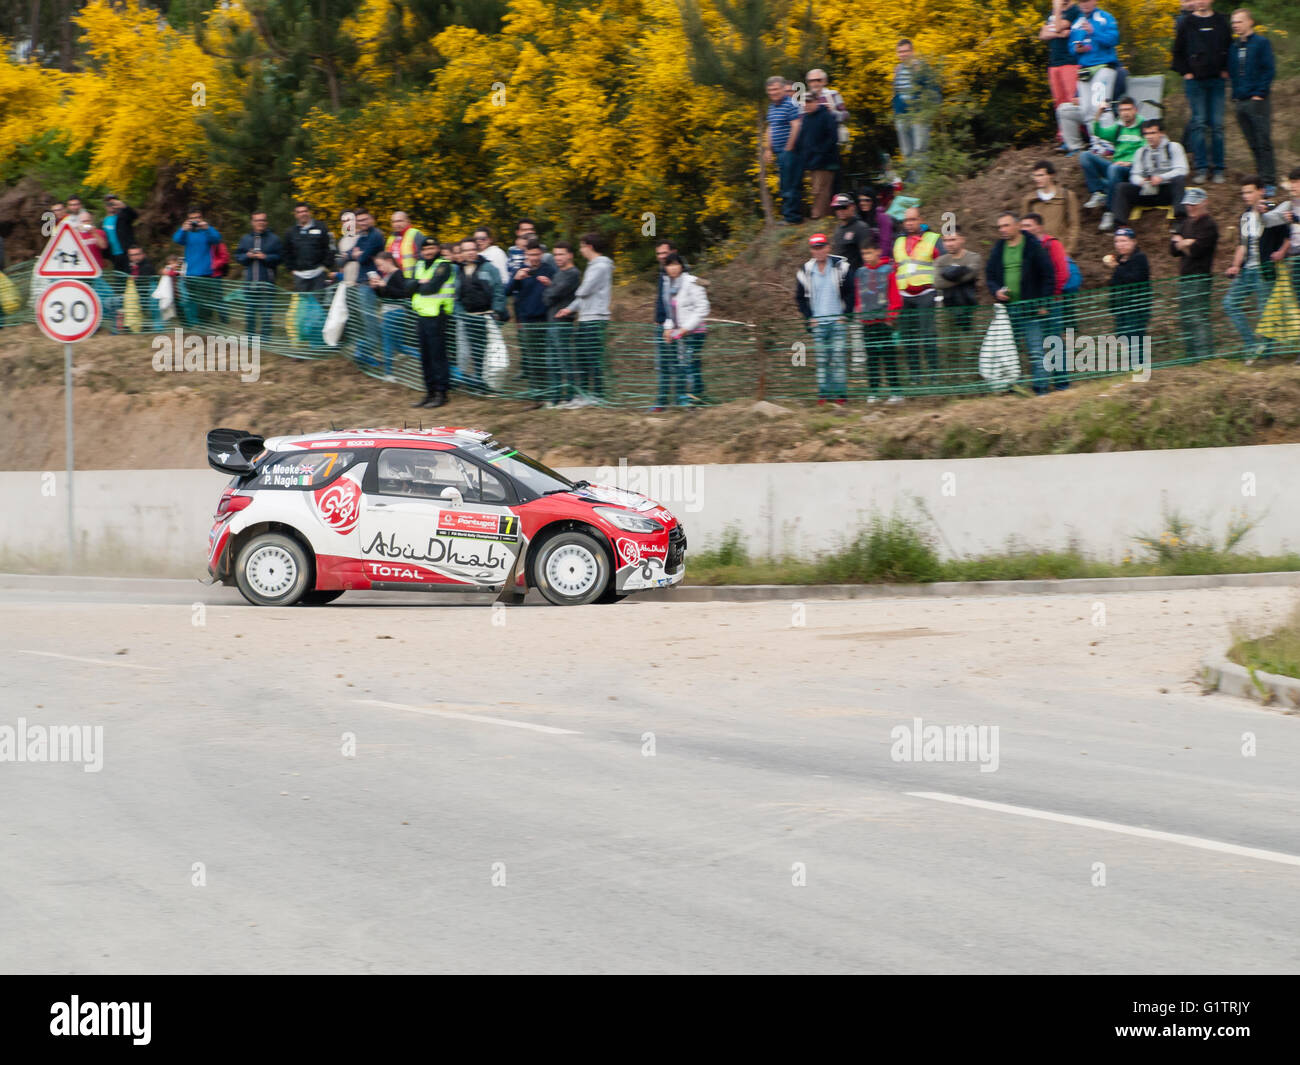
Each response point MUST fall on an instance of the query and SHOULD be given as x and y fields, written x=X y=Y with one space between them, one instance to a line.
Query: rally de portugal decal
x=339 y=504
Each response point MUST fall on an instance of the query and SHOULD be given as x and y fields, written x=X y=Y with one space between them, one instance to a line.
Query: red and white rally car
x=307 y=518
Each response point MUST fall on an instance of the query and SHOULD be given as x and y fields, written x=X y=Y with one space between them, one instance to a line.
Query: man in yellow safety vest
x=915 y=252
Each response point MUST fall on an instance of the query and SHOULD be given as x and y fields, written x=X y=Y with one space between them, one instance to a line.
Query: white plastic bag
x=496 y=359
x=165 y=293
x=337 y=317
x=999 y=360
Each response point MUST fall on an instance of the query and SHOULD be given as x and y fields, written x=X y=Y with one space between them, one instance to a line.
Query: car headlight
x=629 y=522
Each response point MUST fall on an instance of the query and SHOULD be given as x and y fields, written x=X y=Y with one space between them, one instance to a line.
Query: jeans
x=197 y=298
x=882 y=356
x=395 y=329
x=1096 y=84
x=791 y=174
x=829 y=339
x=589 y=348
x=1168 y=194
x=913 y=140
x=1255 y=117
x=363 y=321
x=1030 y=324
x=917 y=324
x=1205 y=98
x=1247 y=285
x=476 y=335
x=259 y=297
x=679 y=368
x=1195 y=315
x=559 y=357
x=532 y=345
x=1102 y=175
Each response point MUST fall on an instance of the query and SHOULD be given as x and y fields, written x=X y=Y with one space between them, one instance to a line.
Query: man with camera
x=200 y=288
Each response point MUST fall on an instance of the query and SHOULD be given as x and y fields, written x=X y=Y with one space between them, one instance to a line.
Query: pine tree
x=755 y=44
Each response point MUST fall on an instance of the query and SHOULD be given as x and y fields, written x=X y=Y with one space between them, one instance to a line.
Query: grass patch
x=1276 y=652
x=897 y=549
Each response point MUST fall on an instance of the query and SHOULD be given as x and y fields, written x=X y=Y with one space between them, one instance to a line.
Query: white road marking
x=458 y=715
x=1112 y=826
x=93 y=661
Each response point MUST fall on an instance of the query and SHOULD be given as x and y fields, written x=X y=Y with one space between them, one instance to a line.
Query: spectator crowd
x=880 y=283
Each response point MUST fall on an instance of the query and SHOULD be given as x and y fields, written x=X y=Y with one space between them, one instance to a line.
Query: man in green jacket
x=1106 y=175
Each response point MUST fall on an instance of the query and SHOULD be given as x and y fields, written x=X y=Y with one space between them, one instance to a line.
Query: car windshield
x=528 y=472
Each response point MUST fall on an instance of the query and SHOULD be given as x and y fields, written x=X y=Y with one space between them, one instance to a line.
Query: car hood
x=617 y=497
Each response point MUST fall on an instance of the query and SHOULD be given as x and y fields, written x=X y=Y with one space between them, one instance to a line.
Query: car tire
x=273 y=570
x=320 y=598
x=571 y=569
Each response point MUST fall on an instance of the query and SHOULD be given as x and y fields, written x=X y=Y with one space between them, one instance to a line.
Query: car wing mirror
x=453 y=496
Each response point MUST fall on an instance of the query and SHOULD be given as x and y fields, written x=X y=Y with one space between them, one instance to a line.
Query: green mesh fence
x=942 y=350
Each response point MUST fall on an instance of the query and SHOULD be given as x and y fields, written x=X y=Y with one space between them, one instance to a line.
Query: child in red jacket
x=877 y=304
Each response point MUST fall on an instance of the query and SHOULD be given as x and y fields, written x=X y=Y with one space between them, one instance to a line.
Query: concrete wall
x=156 y=521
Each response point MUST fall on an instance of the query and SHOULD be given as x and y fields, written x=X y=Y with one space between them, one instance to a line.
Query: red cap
x=817 y=240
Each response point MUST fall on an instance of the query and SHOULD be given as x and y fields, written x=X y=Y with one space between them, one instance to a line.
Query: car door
x=410 y=535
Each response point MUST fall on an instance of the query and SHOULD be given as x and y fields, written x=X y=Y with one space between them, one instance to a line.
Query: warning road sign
x=68 y=311
x=67 y=254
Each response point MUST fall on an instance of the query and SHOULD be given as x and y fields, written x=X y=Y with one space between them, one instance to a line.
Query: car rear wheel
x=319 y=598
x=571 y=569
x=273 y=570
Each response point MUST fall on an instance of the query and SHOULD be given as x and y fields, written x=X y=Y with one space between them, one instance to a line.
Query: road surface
x=645 y=787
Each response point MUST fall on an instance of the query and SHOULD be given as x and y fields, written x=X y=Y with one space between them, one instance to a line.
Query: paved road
x=772 y=828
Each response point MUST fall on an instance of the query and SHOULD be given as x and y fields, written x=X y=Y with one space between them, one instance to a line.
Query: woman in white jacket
x=684 y=334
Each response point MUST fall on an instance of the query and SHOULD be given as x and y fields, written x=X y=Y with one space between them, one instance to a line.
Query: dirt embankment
x=129 y=416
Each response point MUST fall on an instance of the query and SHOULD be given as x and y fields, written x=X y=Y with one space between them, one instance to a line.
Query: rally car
x=306 y=518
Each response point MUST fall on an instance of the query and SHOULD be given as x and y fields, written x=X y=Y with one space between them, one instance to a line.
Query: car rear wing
x=233 y=450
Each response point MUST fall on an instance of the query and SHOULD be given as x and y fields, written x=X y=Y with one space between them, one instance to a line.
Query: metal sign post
x=68 y=311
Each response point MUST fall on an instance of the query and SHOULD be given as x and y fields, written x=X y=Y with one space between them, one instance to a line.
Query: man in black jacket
x=1194 y=241
x=560 y=290
x=119 y=228
x=1021 y=276
x=851 y=233
x=1201 y=56
x=259 y=253
x=429 y=288
x=308 y=251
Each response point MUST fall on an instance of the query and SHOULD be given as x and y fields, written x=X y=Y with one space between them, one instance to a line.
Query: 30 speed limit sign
x=68 y=311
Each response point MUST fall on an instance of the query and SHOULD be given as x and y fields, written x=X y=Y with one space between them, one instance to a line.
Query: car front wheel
x=571 y=569
x=273 y=570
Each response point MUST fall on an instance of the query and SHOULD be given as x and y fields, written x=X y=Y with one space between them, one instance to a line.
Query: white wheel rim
x=271 y=571
x=572 y=570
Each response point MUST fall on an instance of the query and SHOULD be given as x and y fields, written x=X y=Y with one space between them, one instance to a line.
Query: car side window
x=417 y=472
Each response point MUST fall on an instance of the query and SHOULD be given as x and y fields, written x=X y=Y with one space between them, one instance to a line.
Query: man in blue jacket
x=1093 y=39
x=1020 y=275
x=1250 y=64
x=202 y=291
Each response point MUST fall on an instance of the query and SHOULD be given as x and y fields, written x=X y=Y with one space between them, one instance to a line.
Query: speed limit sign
x=68 y=311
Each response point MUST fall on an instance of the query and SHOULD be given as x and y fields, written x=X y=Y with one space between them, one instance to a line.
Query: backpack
x=1074 y=281
x=220 y=260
